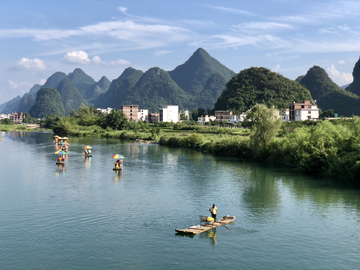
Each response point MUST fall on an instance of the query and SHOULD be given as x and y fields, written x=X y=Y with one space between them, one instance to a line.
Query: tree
x=6 y=121
x=197 y=112
x=265 y=124
x=64 y=125
x=327 y=113
x=87 y=116
x=183 y=117
x=116 y=120
x=51 y=120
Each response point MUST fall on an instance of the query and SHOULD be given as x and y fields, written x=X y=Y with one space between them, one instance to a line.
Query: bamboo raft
x=60 y=163
x=208 y=226
x=117 y=169
x=87 y=155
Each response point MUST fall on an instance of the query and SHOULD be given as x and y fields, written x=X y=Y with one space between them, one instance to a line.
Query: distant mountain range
x=195 y=84
x=200 y=82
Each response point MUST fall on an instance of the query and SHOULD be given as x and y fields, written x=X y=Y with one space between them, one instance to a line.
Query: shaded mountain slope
x=48 y=101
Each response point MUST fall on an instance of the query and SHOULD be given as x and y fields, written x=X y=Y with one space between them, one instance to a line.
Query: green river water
x=86 y=216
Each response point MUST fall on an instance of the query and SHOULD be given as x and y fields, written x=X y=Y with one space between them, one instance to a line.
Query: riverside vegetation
x=317 y=147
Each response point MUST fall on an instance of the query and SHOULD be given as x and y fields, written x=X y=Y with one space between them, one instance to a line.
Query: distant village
x=296 y=112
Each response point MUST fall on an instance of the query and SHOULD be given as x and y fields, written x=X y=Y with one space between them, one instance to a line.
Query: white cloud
x=341 y=62
x=120 y=62
x=264 y=26
x=15 y=85
x=340 y=78
x=123 y=9
x=231 y=10
x=77 y=57
x=276 y=68
x=42 y=82
x=158 y=53
x=31 y=64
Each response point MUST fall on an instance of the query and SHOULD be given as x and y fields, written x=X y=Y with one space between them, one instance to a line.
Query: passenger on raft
x=213 y=211
x=118 y=164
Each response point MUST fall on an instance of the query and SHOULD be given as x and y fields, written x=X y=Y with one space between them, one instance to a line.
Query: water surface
x=86 y=216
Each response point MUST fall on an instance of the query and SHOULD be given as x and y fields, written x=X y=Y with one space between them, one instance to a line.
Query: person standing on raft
x=213 y=211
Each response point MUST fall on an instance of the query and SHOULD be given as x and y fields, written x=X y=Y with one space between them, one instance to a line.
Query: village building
x=223 y=116
x=143 y=115
x=203 y=119
x=153 y=117
x=4 y=116
x=108 y=110
x=17 y=117
x=303 y=111
x=285 y=115
x=186 y=113
x=131 y=112
x=169 y=113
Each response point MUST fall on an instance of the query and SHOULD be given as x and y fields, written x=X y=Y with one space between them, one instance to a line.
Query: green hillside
x=70 y=95
x=260 y=85
x=155 y=89
x=329 y=95
x=194 y=73
x=54 y=80
x=48 y=101
x=354 y=87
x=12 y=105
x=26 y=103
x=106 y=100
x=213 y=88
x=83 y=82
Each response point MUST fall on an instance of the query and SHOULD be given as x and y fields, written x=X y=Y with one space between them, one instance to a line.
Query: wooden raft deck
x=208 y=226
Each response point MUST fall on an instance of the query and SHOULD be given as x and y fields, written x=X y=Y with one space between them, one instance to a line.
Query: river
x=86 y=216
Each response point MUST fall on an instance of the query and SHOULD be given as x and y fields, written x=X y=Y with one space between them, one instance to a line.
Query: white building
x=3 y=116
x=108 y=110
x=203 y=119
x=285 y=115
x=303 y=111
x=143 y=115
x=169 y=113
x=186 y=113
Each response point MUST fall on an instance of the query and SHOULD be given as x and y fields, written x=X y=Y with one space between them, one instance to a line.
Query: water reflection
x=118 y=177
x=60 y=170
x=87 y=163
x=211 y=234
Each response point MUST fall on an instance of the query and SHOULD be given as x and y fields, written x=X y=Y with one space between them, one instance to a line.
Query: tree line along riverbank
x=317 y=147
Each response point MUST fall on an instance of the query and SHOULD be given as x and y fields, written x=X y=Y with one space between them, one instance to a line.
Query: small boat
x=60 y=162
x=87 y=155
x=117 y=168
x=207 y=226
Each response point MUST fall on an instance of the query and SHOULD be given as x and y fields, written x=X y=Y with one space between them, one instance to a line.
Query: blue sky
x=41 y=37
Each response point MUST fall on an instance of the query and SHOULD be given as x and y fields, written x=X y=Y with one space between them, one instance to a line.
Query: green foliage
x=260 y=85
x=116 y=120
x=327 y=113
x=64 y=126
x=28 y=119
x=87 y=116
x=197 y=113
x=328 y=95
x=183 y=117
x=5 y=121
x=48 y=101
x=51 y=120
x=265 y=126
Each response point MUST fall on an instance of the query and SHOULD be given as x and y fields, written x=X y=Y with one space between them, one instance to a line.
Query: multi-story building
x=203 y=119
x=186 y=113
x=5 y=115
x=223 y=116
x=143 y=115
x=17 y=117
x=303 y=111
x=169 y=113
x=154 y=117
x=285 y=115
x=131 y=112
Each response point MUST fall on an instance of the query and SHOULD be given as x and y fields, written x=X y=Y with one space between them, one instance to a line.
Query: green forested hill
x=83 y=82
x=213 y=88
x=108 y=99
x=12 y=105
x=98 y=89
x=194 y=73
x=54 y=80
x=354 y=87
x=155 y=89
x=70 y=95
x=26 y=103
x=123 y=89
x=329 y=95
x=48 y=101
x=260 y=85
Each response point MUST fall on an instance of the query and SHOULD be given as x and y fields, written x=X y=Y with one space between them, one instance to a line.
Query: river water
x=86 y=216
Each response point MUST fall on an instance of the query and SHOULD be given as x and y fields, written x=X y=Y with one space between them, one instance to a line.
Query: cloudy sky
x=103 y=37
